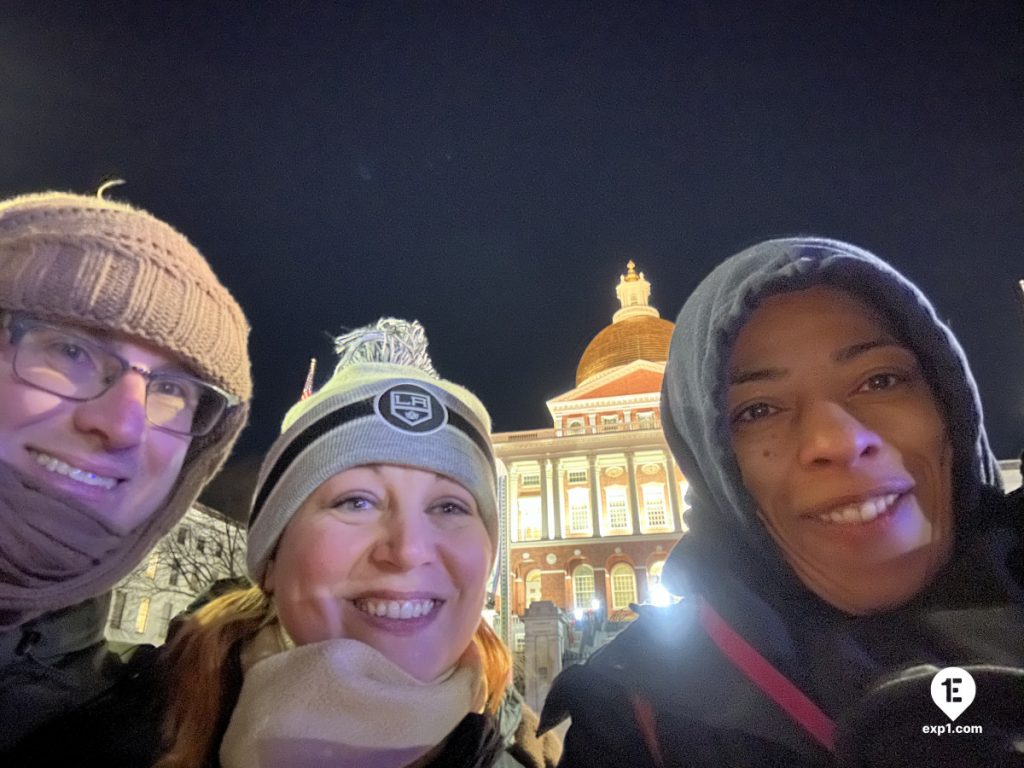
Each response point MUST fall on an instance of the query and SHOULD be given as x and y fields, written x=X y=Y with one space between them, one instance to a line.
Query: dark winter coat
x=52 y=665
x=664 y=694
x=663 y=686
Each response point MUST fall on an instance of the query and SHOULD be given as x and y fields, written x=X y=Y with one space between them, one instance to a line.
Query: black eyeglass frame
x=20 y=323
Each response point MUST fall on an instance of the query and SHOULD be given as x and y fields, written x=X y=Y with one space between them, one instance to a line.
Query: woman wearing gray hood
x=848 y=538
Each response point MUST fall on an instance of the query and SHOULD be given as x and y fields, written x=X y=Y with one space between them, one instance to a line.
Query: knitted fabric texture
x=106 y=265
x=383 y=405
x=342 y=703
x=110 y=267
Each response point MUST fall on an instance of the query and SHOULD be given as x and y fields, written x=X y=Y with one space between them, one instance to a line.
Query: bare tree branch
x=204 y=547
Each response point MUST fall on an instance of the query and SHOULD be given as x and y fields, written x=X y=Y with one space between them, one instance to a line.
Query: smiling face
x=394 y=557
x=103 y=452
x=841 y=444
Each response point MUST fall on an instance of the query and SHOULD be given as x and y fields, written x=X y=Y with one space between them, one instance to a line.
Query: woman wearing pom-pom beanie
x=371 y=536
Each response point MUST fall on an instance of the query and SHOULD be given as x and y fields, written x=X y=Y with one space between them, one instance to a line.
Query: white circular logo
x=953 y=691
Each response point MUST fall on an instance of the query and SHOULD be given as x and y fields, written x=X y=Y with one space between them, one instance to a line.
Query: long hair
x=497 y=664
x=204 y=659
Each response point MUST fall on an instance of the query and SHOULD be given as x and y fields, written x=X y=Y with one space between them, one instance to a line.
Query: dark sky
x=489 y=167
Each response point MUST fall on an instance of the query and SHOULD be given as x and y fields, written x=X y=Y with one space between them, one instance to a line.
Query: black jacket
x=663 y=694
x=51 y=665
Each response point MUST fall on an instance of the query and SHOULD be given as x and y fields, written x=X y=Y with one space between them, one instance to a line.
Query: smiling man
x=124 y=382
x=845 y=526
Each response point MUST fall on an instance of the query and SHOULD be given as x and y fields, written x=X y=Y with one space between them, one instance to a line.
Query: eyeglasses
x=62 y=363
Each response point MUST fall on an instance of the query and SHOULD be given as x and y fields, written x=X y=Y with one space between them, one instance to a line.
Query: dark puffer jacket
x=664 y=692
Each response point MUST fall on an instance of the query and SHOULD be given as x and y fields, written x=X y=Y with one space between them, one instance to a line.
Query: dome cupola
x=637 y=331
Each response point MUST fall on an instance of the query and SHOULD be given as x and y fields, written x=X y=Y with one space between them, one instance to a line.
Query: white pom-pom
x=389 y=340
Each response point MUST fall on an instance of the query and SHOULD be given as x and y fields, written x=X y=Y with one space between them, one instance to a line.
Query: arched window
x=623 y=586
x=583 y=587
x=533 y=591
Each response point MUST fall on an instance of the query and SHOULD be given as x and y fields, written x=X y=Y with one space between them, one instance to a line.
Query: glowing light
x=660 y=595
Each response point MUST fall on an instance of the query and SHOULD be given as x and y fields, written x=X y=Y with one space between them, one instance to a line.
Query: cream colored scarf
x=342 y=704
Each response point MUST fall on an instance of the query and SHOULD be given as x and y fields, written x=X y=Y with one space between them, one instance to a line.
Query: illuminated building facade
x=594 y=504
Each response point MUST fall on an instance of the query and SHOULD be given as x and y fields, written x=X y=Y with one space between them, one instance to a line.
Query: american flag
x=307 y=389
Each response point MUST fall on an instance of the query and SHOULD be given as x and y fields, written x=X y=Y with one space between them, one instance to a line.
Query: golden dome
x=645 y=337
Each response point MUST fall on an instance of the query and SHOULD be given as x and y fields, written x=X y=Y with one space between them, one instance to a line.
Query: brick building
x=594 y=503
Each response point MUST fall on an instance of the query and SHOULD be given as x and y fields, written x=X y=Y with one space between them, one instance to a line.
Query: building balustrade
x=596 y=429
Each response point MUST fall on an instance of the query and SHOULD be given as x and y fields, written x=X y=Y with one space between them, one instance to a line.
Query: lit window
x=533 y=590
x=623 y=586
x=618 y=511
x=142 y=616
x=577 y=476
x=610 y=423
x=531 y=481
x=575 y=427
x=645 y=420
x=583 y=587
x=579 y=511
x=117 y=609
x=654 y=505
x=154 y=561
x=529 y=518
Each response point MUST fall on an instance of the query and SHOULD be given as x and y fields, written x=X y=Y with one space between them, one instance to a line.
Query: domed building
x=594 y=504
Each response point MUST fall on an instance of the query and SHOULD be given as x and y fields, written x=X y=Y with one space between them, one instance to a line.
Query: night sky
x=488 y=168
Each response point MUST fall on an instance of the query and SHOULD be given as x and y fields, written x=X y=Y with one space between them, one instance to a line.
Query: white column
x=634 y=502
x=513 y=503
x=673 y=492
x=595 y=498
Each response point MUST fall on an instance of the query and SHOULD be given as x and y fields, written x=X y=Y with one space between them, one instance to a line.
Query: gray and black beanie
x=385 y=404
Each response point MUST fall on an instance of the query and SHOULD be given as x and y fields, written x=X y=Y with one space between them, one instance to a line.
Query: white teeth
x=864 y=512
x=80 y=475
x=396 y=609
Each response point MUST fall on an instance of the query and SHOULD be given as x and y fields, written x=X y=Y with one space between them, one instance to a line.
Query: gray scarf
x=50 y=549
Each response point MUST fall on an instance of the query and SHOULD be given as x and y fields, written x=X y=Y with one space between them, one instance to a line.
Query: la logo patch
x=410 y=408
